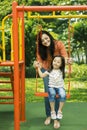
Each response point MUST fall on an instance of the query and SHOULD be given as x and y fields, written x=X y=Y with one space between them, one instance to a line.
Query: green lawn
x=74 y=110
x=74 y=117
x=78 y=90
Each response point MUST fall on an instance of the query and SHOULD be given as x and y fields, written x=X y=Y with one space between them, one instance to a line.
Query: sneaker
x=53 y=115
x=59 y=115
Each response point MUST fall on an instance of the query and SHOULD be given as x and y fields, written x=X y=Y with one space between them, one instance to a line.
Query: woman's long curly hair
x=62 y=67
x=43 y=50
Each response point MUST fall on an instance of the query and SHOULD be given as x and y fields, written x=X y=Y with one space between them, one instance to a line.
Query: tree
x=80 y=38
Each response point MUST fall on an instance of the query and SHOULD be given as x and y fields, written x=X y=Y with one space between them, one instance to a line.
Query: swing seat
x=43 y=94
x=68 y=95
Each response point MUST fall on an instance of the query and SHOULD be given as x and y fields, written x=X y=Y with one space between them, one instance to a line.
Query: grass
x=78 y=90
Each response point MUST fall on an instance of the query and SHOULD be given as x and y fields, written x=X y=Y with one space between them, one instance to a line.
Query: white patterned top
x=55 y=78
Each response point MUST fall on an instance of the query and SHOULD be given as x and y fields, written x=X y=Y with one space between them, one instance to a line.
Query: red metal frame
x=52 y=8
x=21 y=9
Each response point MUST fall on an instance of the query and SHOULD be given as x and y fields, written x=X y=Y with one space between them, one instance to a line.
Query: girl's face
x=45 y=40
x=57 y=62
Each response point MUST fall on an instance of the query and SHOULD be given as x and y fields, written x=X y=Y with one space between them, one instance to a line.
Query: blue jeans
x=47 y=104
x=60 y=91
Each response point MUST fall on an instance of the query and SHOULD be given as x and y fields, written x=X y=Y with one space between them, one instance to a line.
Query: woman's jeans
x=47 y=104
x=53 y=91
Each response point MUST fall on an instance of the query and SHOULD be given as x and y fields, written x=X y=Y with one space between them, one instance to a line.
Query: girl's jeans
x=47 y=104
x=53 y=91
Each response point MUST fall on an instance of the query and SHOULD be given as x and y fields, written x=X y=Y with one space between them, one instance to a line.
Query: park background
x=59 y=29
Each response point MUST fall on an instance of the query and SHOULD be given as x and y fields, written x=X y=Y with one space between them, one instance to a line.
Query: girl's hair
x=43 y=50
x=62 y=67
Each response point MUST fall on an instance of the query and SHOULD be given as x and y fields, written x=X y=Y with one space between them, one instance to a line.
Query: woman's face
x=45 y=40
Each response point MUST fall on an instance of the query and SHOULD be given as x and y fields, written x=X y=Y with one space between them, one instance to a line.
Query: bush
x=30 y=72
x=79 y=71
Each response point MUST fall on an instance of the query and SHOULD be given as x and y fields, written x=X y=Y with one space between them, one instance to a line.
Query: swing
x=45 y=94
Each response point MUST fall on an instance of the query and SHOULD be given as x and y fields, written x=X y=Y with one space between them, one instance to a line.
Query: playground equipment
x=18 y=59
x=17 y=73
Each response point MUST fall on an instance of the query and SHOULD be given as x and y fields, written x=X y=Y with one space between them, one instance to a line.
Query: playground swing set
x=45 y=94
x=17 y=61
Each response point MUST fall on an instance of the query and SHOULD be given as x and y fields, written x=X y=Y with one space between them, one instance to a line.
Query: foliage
x=30 y=72
x=79 y=71
x=5 y=8
x=29 y=43
x=57 y=27
x=53 y=2
x=80 y=38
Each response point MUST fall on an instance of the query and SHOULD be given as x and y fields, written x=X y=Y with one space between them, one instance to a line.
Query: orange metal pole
x=21 y=15
x=23 y=70
x=69 y=55
x=52 y=8
x=16 y=68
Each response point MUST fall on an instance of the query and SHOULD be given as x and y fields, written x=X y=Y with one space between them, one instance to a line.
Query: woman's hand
x=69 y=60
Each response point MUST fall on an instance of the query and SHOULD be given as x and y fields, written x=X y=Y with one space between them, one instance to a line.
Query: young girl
x=56 y=84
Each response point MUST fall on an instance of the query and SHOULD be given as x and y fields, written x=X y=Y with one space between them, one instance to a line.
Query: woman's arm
x=63 y=52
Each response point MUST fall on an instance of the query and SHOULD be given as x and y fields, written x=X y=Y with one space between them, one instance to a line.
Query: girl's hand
x=35 y=64
x=39 y=65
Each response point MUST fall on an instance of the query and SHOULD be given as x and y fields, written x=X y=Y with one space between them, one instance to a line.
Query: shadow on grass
x=6 y=120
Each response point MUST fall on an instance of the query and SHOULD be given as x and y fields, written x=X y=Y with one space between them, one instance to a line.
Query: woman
x=47 y=48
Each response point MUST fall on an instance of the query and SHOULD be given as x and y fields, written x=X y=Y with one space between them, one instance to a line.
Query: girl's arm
x=42 y=75
x=38 y=66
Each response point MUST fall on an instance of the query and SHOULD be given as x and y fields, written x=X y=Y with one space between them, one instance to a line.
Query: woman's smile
x=45 y=40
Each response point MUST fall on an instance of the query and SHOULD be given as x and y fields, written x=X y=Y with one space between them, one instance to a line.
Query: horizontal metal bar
x=5 y=89
x=57 y=16
x=52 y=8
x=5 y=73
x=6 y=102
x=5 y=82
x=6 y=97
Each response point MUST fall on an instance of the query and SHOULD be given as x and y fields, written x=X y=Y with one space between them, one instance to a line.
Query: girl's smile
x=56 y=63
